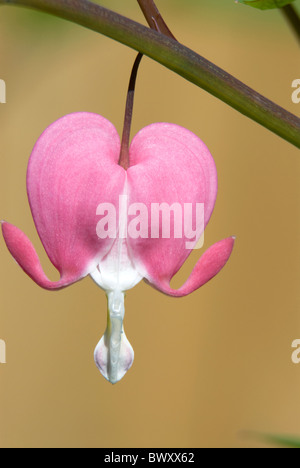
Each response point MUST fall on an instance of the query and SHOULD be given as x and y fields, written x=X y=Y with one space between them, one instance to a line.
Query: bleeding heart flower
x=73 y=168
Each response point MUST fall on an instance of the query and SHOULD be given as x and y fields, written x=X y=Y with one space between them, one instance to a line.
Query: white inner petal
x=114 y=354
x=116 y=271
x=115 y=274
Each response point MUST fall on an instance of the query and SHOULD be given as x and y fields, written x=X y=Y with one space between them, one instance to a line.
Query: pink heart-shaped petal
x=72 y=168
x=172 y=166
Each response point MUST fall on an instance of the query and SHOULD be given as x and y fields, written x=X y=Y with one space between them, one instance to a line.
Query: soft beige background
x=209 y=367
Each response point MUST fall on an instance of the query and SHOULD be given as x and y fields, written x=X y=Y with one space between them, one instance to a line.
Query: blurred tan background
x=210 y=366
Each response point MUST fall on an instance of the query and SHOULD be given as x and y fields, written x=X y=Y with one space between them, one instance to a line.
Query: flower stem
x=293 y=19
x=177 y=58
x=124 y=154
x=154 y=18
x=156 y=22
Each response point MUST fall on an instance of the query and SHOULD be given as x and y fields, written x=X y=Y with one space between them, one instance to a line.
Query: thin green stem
x=292 y=18
x=177 y=58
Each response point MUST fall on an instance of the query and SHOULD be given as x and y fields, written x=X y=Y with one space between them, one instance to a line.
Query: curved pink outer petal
x=172 y=165
x=72 y=169
x=25 y=255
x=208 y=266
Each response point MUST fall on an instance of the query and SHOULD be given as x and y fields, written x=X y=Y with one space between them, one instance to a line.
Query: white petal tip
x=114 y=370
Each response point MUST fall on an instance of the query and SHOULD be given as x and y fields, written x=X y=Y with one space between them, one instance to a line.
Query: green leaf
x=283 y=441
x=267 y=4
